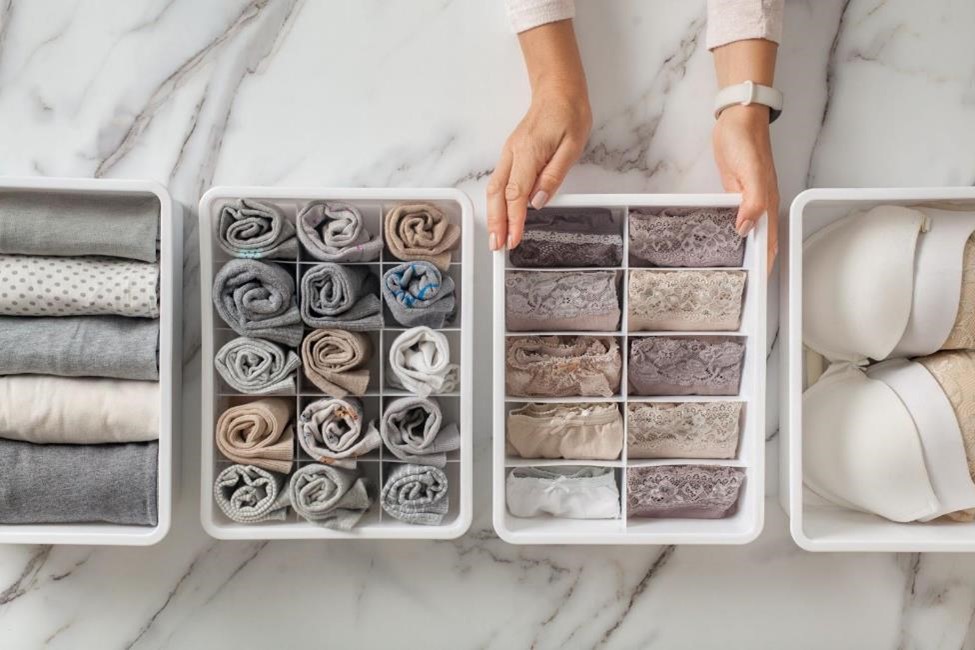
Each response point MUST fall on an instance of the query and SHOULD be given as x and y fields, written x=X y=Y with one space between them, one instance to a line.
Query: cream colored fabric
x=576 y=431
x=708 y=301
x=963 y=333
x=258 y=433
x=78 y=410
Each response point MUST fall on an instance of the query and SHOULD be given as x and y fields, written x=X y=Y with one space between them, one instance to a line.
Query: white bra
x=884 y=283
x=886 y=441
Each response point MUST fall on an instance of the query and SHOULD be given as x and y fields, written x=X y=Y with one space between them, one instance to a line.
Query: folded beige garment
x=78 y=410
x=258 y=433
x=335 y=361
x=576 y=431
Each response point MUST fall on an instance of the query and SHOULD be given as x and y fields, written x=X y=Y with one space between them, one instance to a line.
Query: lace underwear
x=577 y=431
x=963 y=333
x=686 y=365
x=685 y=491
x=546 y=301
x=685 y=300
x=563 y=366
x=683 y=430
x=685 y=237
x=955 y=373
x=568 y=492
x=569 y=237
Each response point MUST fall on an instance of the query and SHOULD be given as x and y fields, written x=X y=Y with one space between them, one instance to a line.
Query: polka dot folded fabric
x=77 y=286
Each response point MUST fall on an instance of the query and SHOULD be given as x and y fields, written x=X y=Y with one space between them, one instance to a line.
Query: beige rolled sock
x=334 y=361
x=258 y=433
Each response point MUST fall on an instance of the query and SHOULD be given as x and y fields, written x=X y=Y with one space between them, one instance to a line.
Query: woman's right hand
x=548 y=140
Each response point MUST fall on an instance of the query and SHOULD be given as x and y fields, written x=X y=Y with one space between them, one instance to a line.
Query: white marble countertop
x=422 y=93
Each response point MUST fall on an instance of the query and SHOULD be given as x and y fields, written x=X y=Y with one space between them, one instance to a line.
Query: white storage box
x=170 y=366
x=739 y=528
x=815 y=526
x=217 y=395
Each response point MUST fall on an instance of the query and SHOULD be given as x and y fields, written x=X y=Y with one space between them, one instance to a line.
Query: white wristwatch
x=747 y=93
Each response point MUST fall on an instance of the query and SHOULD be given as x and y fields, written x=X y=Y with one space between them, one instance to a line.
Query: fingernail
x=511 y=242
x=540 y=199
x=493 y=241
x=745 y=227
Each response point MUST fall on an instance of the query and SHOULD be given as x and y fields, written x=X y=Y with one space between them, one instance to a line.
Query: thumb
x=753 y=203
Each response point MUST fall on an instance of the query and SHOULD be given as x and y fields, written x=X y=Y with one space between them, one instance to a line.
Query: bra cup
x=861 y=448
x=858 y=279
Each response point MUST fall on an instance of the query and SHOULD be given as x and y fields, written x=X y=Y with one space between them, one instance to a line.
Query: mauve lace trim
x=683 y=430
x=685 y=237
x=556 y=237
x=684 y=491
x=685 y=300
x=562 y=366
x=574 y=301
x=685 y=365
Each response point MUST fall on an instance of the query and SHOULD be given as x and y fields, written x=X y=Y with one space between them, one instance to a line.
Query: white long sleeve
x=728 y=20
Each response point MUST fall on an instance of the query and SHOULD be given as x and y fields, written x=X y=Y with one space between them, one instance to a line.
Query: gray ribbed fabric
x=329 y=496
x=80 y=346
x=417 y=293
x=335 y=431
x=68 y=224
x=47 y=484
x=344 y=297
x=255 y=230
x=332 y=231
x=258 y=299
x=248 y=494
x=257 y=367
x=412 y=428
x=416 y=494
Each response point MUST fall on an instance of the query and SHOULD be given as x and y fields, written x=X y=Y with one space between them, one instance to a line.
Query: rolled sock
x=333 y=231
x=80 y=346
x=258 y=433
x=248 y=494
x=329 y=496
x=416 y=494
x=71 y=224
x=335 y=431
x=345 y=297
x=257 y=299
x=255 y=230
x=420 y=362
x=78 y=410
x=421 y=232
x=413 y=431
x=335 y=361
x=56 y=484
x=257 y=367
x=417 y=293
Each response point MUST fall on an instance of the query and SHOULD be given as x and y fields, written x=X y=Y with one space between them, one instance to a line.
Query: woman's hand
x=548 y=140
x=742 y=146
x=743 y=153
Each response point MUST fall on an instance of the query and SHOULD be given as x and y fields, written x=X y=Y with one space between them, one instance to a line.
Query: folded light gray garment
x=335 y=431
x=68 y=224
x=257 y=367
x=80 y=346
x=329 y=496
x=55 y=484
x=416 y=494
x=255 y=230
x=248 y=494
x=257 y=299
x=332 y=231
x=417 y=293
x=412 y=428
x=344 y=297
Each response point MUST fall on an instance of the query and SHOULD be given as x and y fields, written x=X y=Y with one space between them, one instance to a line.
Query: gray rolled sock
x=343 y=297
x=80 y=346
x=416 y=494
x=412 y=428
x=248 y=494
x=333 y=231
x=257 y=299
x=257 y=367
x=255 y=230
x=69 y=224
x=417 y=293
x=48 y=484
x=329 y=496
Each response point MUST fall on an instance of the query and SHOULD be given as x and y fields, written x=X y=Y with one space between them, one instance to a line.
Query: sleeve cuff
x=524 y=15
x=739 y=20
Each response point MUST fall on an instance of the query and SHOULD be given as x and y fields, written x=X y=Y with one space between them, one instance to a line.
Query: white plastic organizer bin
x=741 y=527
x=170 y=365
x=816 y=526
x=217 y=395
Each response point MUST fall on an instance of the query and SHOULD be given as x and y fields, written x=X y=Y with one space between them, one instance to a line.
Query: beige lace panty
x=570 y=301
x=576 y=431
x=563 y=366
x=683 y=430
x=685 y=300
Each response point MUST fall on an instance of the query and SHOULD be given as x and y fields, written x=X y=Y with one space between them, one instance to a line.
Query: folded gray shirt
x=54 y=484
x=68 y=224
x=80 y=346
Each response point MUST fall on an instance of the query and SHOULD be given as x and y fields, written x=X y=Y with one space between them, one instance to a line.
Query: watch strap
x=748 y=93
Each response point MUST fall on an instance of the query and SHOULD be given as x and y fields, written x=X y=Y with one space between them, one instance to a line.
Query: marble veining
x=379 y=93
